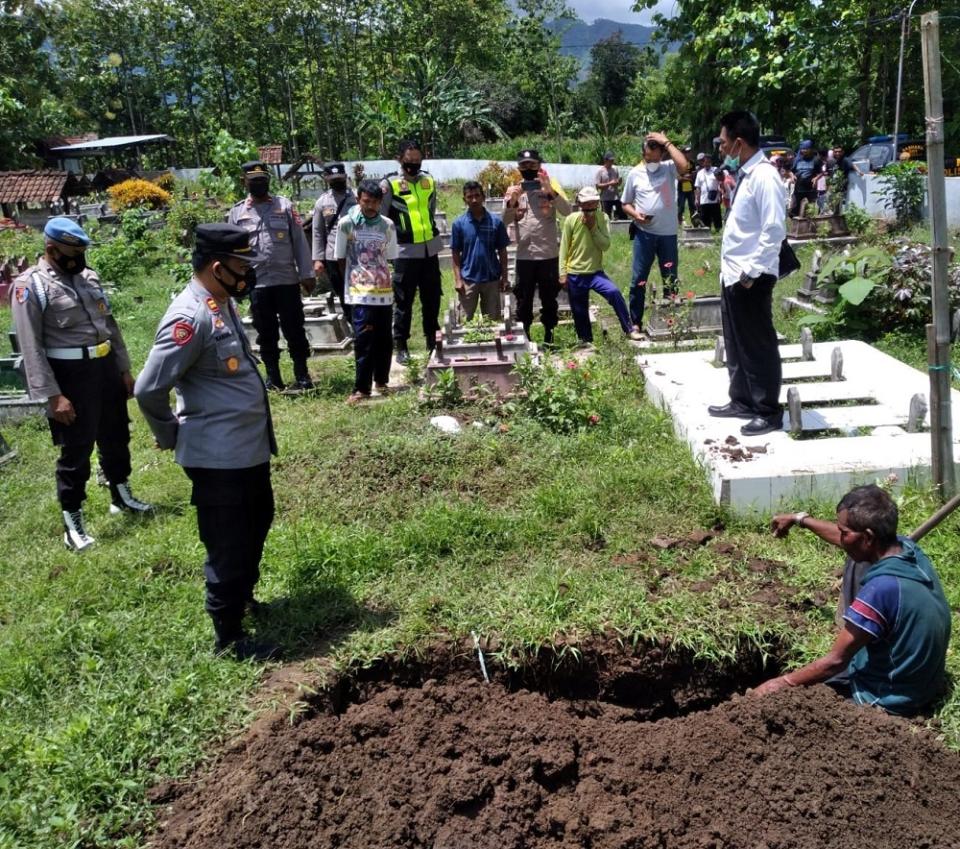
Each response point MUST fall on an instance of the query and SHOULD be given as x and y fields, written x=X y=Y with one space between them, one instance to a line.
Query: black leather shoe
x=730 y=411
x=761 y=425
x=403 y=356
x=274 y=385
x=303 y=384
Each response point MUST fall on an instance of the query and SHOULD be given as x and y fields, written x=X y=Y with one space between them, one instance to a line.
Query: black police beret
x=334 y=169
x=255 y=167
x=225 y=240
x=529 y=153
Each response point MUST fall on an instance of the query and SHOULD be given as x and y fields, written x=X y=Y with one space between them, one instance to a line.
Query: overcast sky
x=617 y=10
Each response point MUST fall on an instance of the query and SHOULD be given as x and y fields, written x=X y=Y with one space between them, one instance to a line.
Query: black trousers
x=534 y=275
x=372 y=346
x=97 y=393
x=750 y=340
x=335 y=276
x=234 y=514
x=274 y=308
x=710 y=215
x=804 y=192
x=409 y=275
x=613 y=208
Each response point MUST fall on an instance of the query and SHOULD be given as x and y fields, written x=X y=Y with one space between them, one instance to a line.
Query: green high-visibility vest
x=410 y=208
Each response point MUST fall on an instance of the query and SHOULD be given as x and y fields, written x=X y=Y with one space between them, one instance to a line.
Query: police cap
x=224 y=240
x=255 y=167
x=529 y=153
x=334 y=169
x=66 y=231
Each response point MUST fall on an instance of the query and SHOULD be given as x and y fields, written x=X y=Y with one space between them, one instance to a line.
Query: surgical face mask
x=71 y=264
x=259 y=187
x=530 y=173
x=732 y=162
x=411 y=169
x=242 y=284
x=653 y=167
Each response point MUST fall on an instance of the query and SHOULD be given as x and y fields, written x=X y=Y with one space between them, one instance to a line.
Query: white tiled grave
x=775 y=471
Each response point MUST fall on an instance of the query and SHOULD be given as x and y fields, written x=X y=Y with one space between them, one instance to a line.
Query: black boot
x=547 y=335
x=232 y=639
x=274 y=381
x=302 y=375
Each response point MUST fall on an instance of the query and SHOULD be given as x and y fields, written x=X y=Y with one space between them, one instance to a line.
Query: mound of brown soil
x=462 y=764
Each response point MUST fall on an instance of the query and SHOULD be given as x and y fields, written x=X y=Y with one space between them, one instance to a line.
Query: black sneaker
x=274 y=385
x=303 y=384
x=403 y=356
x=246 y=648
x=123 y=501
x=75 y=536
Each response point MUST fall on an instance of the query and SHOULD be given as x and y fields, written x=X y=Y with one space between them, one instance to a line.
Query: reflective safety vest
x=410 y=208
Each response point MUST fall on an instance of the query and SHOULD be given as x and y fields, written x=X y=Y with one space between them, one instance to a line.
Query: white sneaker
x=122 y=501
x=75 y=535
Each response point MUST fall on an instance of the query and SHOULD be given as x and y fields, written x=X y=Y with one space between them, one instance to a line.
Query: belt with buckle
x=93 y=352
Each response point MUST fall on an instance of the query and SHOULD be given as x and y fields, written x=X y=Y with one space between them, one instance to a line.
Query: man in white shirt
x=650 y=200
x=707 y=191
x=749 y=264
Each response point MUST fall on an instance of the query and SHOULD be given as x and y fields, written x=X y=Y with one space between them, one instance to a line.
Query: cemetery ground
x=616 y=605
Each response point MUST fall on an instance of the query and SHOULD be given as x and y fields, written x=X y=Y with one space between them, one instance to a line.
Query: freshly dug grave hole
x=452 y=763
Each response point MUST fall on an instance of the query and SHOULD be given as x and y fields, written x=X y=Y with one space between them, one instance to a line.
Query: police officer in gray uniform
x=277 y=235
x=221 y=432
x=75 y=360
x=330 y=207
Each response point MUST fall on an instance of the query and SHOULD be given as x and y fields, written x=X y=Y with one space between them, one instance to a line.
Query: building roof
x=271 y=154
x=32 y=186
x=97 y=146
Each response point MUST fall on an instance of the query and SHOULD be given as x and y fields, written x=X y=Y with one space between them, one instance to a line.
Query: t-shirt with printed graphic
x=653 y=191
x=367 y=246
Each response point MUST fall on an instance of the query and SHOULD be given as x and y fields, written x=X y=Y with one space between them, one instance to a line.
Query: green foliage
x=445 y=392
x=858 y=220
x=903 y=188
x=227 y=155
x=124 y=249
x=479 y=329
x=496 y=179
x=15 y=244
x=564 y=398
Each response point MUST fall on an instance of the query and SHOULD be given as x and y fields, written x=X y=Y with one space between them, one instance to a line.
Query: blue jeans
x=578 y=290
x=372 y=345
x=646 y=248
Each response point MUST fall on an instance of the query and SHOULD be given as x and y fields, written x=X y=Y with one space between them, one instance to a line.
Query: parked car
x=878 y=151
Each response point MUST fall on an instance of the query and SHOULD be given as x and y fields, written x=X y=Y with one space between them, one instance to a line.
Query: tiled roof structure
x=32 y=186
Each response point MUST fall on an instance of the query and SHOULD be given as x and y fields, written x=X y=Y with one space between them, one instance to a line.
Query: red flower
x=571 y=364
x=669 y=322
x=593 y=419
x=691 y=295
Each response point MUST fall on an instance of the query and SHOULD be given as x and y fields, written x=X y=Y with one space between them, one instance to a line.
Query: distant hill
x=577 y=37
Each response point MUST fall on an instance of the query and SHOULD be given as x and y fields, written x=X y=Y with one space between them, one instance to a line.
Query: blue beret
x=66 y=231
x=806 y=144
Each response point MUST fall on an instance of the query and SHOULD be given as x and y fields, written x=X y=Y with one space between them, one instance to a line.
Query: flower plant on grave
x=480 y=328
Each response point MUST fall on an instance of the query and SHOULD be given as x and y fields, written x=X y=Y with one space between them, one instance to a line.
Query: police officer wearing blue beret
x=276 y=233
x=75 y=359
x=221 y=431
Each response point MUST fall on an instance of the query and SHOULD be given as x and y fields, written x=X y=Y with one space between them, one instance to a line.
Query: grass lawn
x=389 y=537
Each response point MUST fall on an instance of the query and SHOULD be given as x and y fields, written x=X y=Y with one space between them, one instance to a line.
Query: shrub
x=165 y=181
x=495 y=179
x=132 y=194
x=903 y=187
x=564 y=398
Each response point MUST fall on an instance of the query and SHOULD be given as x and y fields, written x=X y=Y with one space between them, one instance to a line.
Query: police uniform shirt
x=327 y=212
x=412 y=250
x=276 y=231
x=533 y=222
x=222 y=420
x=54 y=309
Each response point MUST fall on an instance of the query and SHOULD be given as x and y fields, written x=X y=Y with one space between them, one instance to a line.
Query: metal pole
x=941 y=427
x=904 y=26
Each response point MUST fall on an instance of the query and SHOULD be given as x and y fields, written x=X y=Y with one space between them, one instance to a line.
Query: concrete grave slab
x=777 y=471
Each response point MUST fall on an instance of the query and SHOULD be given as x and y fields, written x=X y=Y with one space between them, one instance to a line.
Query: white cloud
x=619 y=10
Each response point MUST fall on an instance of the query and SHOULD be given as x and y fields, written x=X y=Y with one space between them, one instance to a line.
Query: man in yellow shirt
x=585 y=236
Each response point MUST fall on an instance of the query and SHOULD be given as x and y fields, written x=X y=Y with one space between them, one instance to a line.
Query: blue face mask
x=732 y=162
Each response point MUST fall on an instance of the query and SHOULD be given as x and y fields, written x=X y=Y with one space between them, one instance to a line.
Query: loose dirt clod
x=462 y=764
x=664 y=543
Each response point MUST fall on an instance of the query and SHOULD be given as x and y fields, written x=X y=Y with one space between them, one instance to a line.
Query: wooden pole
x=941 y=427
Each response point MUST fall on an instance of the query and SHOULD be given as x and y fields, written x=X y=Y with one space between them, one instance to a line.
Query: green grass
x=389 y=537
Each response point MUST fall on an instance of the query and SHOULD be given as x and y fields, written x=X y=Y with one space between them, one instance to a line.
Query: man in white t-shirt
x=650 y=199
x=707 y=191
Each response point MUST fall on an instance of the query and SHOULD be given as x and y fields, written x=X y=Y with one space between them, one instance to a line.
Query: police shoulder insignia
x=22 y=294
x=212 y=306
x=232 y=363
x=217 y=323
x=296 y=216
x=182 y=333
x=102 y=306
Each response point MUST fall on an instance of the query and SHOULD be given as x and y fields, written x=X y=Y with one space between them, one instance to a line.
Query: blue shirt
x=479 y=243
x=902 y=607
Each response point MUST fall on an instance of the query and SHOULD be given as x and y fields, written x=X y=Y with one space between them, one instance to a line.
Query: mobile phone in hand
x=530 y=185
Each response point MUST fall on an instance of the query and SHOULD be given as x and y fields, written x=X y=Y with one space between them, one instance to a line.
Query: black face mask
x=71 y=264
x=259 y=188
x=530 y=173
x=242 y=284
x=411 y=169
x=338 y=185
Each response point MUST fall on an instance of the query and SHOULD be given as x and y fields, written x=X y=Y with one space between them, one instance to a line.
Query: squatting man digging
x=892 y=649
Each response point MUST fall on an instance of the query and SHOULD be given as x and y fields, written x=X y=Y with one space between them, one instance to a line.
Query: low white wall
x=865 y=191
